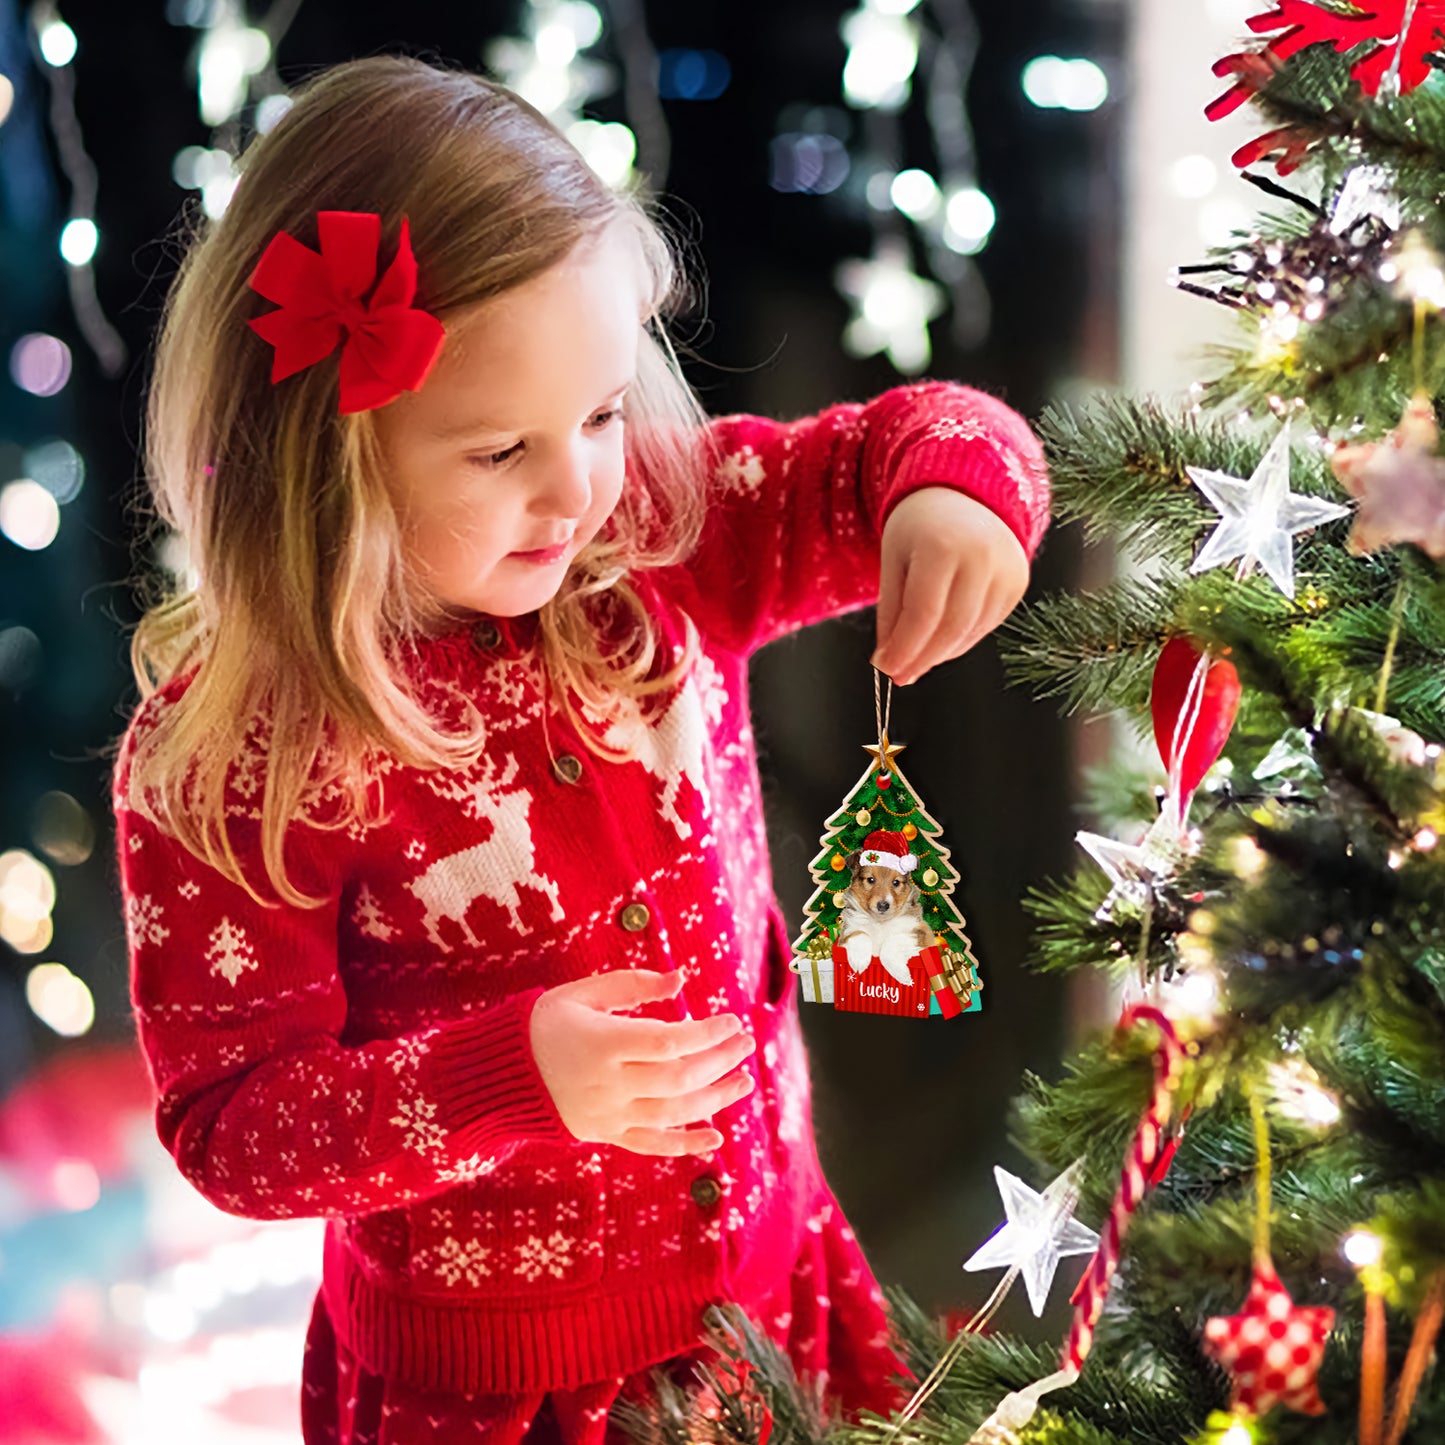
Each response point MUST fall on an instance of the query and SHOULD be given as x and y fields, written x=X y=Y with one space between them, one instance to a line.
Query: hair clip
x=390 y=347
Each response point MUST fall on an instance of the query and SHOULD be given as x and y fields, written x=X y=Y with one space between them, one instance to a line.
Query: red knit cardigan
x=369 y=1061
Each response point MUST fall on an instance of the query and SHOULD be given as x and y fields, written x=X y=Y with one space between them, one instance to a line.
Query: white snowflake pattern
x=742 y=471
x=416 y=1117
x=415 y=849
x=230 y=951
x=407 y=1054
x=143 y=921
x=474 y=1166
x=956 y=428
x=552 y=1255
x=456 y=1259
x=189 y=889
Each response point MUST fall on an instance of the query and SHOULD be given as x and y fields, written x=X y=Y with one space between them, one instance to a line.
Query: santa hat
x=882 y=849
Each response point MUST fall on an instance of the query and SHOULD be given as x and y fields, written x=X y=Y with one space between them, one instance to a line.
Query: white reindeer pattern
x=493 y=869
x=672 y=749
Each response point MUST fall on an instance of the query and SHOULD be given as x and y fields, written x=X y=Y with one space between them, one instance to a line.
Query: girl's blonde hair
x=297 y=591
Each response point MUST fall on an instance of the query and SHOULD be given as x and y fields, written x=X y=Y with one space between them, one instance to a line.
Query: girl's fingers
x=647 y=1078
x=692 y=1107
x=673 y=1142
x=956 y=622
x=925 y=597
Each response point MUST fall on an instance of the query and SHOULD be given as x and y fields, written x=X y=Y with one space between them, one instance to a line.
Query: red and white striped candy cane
x=1149 y=1140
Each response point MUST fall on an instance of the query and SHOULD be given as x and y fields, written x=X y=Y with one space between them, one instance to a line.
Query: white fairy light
x=882 y=55
x=916 y=194
x=1363 y=1248
x=1054 y=83
x=58 y=44
x=609 y=147
x=968 y=220
x=230 y=55
x=78 y=241
x=893 y=306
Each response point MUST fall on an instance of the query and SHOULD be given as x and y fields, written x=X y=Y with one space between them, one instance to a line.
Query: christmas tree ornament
x=1135 y=870
x=1272 y=1348
x=1400 y=484
x=881 y=933
x=1395 y=39
x=1418 y=1357
x=1260 y=517
x=1039 y=1230
x=1193 y=701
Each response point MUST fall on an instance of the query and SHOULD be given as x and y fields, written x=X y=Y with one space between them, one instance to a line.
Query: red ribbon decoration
x=390 y=345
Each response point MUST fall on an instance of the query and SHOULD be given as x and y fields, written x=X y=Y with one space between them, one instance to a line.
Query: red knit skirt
x=829 y=1317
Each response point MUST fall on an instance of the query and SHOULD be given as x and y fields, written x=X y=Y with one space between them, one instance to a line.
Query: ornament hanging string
x=882 y=711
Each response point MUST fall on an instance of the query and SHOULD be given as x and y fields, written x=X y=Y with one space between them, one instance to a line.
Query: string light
x=944 y=207
x=1300 y=1094
x=56 y=45
x=1363 y=1248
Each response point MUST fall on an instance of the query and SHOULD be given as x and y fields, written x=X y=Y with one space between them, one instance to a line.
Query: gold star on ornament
x=1259 y=517
x=884 y=752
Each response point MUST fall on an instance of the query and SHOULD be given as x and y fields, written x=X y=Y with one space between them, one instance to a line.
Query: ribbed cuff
x=974 y=468
x=483 y=1076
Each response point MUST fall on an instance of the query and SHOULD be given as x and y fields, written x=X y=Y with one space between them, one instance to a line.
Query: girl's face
x=509 y=459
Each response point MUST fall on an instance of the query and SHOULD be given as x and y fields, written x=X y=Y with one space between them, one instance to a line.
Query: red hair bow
x=390 y=345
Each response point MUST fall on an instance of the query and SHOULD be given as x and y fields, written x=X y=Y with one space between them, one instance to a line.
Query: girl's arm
x=239 y=1009
x=792 y=536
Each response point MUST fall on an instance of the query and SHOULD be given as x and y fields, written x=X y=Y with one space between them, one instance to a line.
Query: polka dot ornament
x=1272 y=1348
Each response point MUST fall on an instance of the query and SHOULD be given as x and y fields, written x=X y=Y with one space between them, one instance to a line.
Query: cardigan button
x=567 y=768
x=634 y=918
x=706 y=1191
x=486 y=634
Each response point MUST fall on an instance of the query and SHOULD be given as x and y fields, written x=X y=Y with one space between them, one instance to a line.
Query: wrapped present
x=817 y=977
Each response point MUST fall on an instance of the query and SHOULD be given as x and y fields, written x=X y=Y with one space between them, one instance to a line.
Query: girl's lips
x=546 y=555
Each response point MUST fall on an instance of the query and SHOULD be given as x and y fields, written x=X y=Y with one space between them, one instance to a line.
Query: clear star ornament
x=1260 y=517
x=1039 y=1230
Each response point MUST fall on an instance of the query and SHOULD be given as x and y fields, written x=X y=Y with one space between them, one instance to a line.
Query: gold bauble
x=836 y=863
x=930 y=877
x=839 y=898
x=910 y=832
x=862 y=817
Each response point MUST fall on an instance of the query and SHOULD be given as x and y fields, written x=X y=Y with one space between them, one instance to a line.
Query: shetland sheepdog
x=882 y=917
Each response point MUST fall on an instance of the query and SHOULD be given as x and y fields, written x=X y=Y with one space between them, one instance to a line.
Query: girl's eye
x=605 y=418
x=495 y=459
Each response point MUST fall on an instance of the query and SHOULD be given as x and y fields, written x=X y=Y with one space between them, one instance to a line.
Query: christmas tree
x=1261 y=1142
x=884 y=799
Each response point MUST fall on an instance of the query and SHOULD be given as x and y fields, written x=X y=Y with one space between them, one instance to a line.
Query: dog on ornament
x=882 y=912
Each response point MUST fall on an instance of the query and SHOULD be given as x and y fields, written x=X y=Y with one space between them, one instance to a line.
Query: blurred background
x=987 y=191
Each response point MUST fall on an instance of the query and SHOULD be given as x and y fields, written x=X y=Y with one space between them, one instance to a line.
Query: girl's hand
x=637 y=1083
x=952 y=570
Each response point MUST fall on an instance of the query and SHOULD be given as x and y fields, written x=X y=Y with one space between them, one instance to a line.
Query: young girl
x=438 y=825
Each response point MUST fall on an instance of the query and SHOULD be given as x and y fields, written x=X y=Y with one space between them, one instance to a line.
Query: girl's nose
x=566 y=489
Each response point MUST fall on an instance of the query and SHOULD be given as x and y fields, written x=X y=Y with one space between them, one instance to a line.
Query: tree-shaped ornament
x=881 y=933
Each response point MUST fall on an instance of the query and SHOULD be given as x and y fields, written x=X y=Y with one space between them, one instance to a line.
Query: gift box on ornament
x=941 y=983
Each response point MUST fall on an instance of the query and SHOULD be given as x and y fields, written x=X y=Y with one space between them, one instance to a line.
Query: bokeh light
x=1053 y=83
x=58 y=467
x=62 y=829
x=78 y=241
x=7 y=96
x=20 y=658
x=29 y=515
x=40 y=364
x=60 y=1000
x=57 y=43
x=27 y=897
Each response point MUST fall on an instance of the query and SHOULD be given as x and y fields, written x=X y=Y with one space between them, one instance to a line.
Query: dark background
x=911 y=1116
